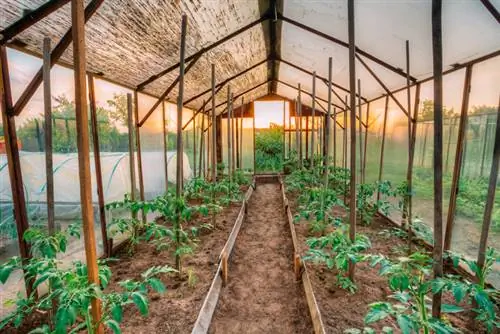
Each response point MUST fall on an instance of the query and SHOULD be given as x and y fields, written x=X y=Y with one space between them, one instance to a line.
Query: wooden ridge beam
x=202 y=51
x=345 y=44
x=54 y=57
x=30 y=19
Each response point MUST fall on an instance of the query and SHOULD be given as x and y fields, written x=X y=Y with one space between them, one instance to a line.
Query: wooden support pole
x=233 y=148
x=229 y=137
x=307 y=137
x=214 y=129
x=407 y=198
x=14 y=163
x=97 y=165
x=241 y=132
x=490 y=198
x=254 y=160
x=457 y=167
x=237 y=131
x=284 y=131
x=345 y=139
x=131 y=153
x=180 y=148
x=363 y=173
x=410 y=165
x=201 y=170
x=313 y=134
x=83 y=144
x=327 y=120
x=382 y=147
x=290 y=129
x=485 y=143
x=165 y=143
x=352 y=88
x=47 y=103
x=437 y=61
x=360 y=117
x=194 y=147
x=138 y=150
x=299 y=109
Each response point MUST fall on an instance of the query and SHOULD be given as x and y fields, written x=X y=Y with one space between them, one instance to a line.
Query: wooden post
x=139 y=152
x=410 y=165
x=307 y=137
x=422 y=160
x=451 y=126
x=214 y=129
x=47 y=102
x=180 y=148
x=202 y=144
x=289 y=128
x=14 y=163
x=437 y=61
x=352 y=88
x=237 y=131
x=38 y=136
x=360 y=133
x=490 y=198
x=297 y=133
x=97 y=164
x=382 y=147
x=165 y=143
x=241 y=132
x=131 y=129
x=363 y=174
x=229 y=137
x=284 y=131
x=486 y=132
x=233 y=149
x=407 y=198
x=313 y=133
x=457 y=168
x=254 y=162
x=194 y=147
x=299 y=109
x=327 y=119
x=82 y=139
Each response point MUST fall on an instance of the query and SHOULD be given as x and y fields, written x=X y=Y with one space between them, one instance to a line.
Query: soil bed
x=262 y=295
x=177 y=309
x=341 y=310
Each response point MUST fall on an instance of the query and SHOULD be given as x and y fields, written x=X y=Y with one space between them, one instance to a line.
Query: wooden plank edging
x=210 y=303
x=317 y=321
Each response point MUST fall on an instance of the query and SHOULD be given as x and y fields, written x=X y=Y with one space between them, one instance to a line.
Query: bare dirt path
x=262 y=295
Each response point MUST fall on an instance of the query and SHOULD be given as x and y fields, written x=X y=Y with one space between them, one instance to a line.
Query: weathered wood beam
x=345 y=44
x=437 y=64
x=240 y=94
x=83 y=144
x=56 y=54
x=325 y=80
x=491 y=8
x=381 y=83
x=30 y=19
x=167 y=91
x=202 y=51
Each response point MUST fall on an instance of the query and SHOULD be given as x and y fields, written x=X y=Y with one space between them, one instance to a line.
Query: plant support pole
x=165 y=144
x=214 y=132
x=352 y=88
x=313 y=133
x=437 y=60
x=83 y=144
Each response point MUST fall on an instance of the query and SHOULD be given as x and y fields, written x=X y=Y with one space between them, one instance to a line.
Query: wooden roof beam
x=202 y=51
x=491 y=8
x=345 y=44
x=55 y=55
x=30 y=19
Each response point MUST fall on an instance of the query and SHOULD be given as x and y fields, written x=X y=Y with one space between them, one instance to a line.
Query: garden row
x=162 y=270
x=380 y=281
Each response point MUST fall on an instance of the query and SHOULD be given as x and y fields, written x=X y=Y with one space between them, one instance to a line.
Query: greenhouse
x=249 y=166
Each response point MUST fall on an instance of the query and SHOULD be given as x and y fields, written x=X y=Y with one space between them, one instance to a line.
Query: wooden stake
x=194 y=147
x=14 y=163
x=437 y=61
x=490 y=198
x=229 y=137
x=410 y=165
x=457 y=167
x=233 y=148
x=47 y=102
x=284 y=132
x=241 y=133
x=382 y=147
x=313 y=134
x=352 y=88
x=360 y=117
x=139 y=151
x=131 y=153
x=202 y=145
x=82 y=130
x=98 y=169
x=165 y=143
x=254 y=161
x=299 y=109
x=214 y=129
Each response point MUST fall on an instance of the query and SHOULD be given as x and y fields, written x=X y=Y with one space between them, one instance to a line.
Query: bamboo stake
x=47 y=101
x=82 y=129
x=233 y=149
x=130 y=121
x=194 y=146
x=241 y=132
x=382 y=147
x=284 y=132
x=299 y=105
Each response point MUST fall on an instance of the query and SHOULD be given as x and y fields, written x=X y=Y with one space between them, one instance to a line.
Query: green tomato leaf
x=448 y=308
x=141 y=302
x=157 y=284
x=113 y=325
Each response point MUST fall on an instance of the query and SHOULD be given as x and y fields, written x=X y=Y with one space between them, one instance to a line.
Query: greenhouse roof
x=265 y=46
